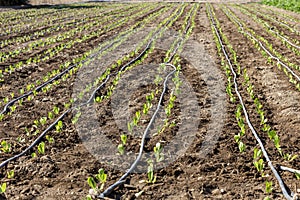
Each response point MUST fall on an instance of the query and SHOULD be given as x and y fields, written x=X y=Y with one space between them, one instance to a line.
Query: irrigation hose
x=280 y=181
x=270 y=29
x=4 y=163
x=129 y=63
x=62 y=116
x=36 y=141
x=142 y=144
x=121 y=180
x=40 y=87
x=264 y=48
x=283 y=168
x=117 y=24
x=121 y=70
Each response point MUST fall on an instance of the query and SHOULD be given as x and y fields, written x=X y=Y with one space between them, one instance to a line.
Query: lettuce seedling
x=256 y=153
x=5 y=146
x=129 y=127
x=20 y=139
x=259 y=165
x=59 y=126
x=92 y=183
x=3 y=188
x=56 y=110
x=102 y=177
x=43 y=120
x=237 y=138
x=150 y=172
x=33 y=155
x=289 y=157
x=20 y=101
x=271 y=134
x=158 y=152
x=76 y=117
x=12 y=108
x=269 y=187
x=121 y=149
x=242 y=147
x=50 y=115
x=41 y=148
x=36 y=122
x=123 y=138
x=50 y=139
x=11 y=174
x=157 y=80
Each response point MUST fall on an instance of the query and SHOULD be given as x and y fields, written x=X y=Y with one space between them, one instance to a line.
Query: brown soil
x=209 y=166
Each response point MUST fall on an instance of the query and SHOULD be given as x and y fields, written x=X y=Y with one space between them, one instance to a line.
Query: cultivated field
x=150 y=101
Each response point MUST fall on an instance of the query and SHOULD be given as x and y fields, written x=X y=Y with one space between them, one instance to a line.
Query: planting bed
x=170 y=100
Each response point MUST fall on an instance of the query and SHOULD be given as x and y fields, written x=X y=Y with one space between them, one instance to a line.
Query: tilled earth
x=208 y=165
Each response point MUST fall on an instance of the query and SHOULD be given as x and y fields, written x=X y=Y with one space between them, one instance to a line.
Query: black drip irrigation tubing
x=283 y=168
x=121 y=180
x=280 y=181
x=121 y=21
x=275 y=32
x=286 y=25
x=142 y=144
x=265 y=49
x=36 y=141
x=40 y=87
x=121 y=70
x=65 y=19
x=124 y=66
x=51 y=28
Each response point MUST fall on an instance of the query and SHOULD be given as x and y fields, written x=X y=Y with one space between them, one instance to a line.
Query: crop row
x=259 y=107
x=267 y=50
x=288 y=42
x=285 y=25
x=44 y=28
x=35 y=88
x=52 y=52
x=57 y=124
x=21 y=25
x=224 y=48
x=266 y=128
x=56 y=39
x=185 y=31
x=52 y=78
x=149 y=98
x=285 y=16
